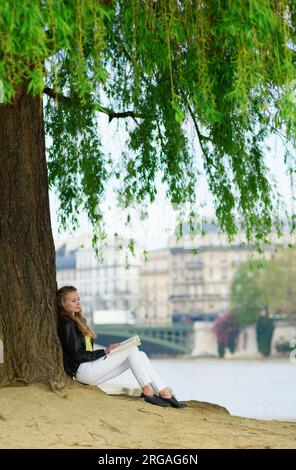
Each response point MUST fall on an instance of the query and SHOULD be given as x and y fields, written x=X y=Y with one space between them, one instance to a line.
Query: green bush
x=283 y=346
x=264 y=332
x=226 y=330
x=221 y=350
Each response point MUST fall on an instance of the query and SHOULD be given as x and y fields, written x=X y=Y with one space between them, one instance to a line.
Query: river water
x=264 y=389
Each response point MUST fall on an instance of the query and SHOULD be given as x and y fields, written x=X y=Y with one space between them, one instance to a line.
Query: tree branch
x=57 y=96
x=112 y=114
x=284 y=141
x=200 y=136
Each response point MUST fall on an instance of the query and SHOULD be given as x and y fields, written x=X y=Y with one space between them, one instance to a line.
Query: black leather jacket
x=74 y=348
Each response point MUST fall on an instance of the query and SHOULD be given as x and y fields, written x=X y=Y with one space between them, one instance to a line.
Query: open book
x=132 y=341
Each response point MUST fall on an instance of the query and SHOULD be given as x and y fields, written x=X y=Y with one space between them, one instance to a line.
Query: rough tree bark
x=28 y=316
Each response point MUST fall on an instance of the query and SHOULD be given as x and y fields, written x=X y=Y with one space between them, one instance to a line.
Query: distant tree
x=246 y=294
x=268 y=289
x=259 y=293
x=226 y=330
x=277 y=283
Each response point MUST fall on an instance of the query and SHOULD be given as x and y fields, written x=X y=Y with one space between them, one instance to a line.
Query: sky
x=153 y=232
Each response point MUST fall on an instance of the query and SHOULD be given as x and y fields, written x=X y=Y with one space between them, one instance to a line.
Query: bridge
x=171 y=339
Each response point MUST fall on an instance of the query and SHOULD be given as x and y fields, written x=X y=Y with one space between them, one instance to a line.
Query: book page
x=127 y=343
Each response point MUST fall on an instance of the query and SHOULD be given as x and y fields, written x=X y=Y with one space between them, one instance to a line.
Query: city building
x=66 y=265
x=111 y=283
x=202 y=270
x=154 y=287
x=190 y=280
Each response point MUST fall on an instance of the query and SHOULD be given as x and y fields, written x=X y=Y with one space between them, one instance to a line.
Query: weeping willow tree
x=227 y=67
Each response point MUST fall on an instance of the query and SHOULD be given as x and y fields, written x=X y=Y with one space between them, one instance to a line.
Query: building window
x=224 y=273
x=224 y=291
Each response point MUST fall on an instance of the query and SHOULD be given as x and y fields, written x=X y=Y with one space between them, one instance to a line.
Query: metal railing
x=174 y=338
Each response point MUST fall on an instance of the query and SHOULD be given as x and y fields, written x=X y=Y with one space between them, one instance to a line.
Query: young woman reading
x=95 y=366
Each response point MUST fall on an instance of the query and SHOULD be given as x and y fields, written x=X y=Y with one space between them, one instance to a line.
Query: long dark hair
x=78 y=318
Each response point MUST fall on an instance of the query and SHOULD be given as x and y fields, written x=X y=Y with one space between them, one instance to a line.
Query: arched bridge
x=173 y=339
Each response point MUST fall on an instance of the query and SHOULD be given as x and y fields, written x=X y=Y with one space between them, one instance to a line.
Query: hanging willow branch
x=112 y=114
x=230 y=66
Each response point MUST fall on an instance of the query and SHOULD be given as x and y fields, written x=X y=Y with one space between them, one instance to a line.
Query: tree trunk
x=28 y=316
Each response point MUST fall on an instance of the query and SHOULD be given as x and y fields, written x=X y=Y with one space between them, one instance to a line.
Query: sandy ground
x=86 y=417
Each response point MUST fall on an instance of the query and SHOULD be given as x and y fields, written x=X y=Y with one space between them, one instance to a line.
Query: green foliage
x=277 y=283
x=33 y=31
x=221 y=350
x=269 y=288
x=226 y=67
x=283 y=346
x=245 y=294
x=226 y=330
x=264 y=332
x=78 y=168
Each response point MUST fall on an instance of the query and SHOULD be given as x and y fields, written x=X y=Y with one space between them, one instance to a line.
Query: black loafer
x=154 y=400
x=174 y=402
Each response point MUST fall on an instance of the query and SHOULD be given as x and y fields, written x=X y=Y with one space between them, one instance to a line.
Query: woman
x=94 y=367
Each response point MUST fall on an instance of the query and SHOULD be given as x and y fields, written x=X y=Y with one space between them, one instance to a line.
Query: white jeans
x=104 y=369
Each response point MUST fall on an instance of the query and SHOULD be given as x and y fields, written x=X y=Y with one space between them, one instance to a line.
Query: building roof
x=65 y=260
x=207 y=227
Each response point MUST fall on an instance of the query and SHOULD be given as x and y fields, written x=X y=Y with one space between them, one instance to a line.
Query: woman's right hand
x=110 y=347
